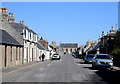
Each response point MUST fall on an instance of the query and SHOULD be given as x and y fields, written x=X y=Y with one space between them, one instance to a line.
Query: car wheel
x=85 y=62
x=93 y=66
x=111 y=68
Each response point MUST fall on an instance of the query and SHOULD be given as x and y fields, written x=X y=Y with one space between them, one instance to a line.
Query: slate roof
x=19 y=27
x=96 y=47
x=69 y=45
x=12 y=32
x=40 y=46
x=7 y=39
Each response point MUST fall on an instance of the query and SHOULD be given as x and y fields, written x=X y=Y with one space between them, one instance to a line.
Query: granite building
x=69 y=47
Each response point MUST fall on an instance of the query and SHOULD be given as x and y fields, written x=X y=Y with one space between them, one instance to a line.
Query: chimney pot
x=22 y=22
x=102 y=33
x=4 y=10
x=112 y=27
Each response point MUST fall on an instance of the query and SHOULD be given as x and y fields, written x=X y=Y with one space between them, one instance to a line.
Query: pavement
x=116 y=68
x=18 y=67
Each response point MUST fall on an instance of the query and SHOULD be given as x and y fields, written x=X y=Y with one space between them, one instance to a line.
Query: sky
x=66 y=22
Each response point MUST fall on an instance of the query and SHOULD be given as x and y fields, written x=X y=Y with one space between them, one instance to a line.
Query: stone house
x=11 y=42
x=69 y=47
x=103 y=45
x=20 y=31
x=89 y=46
x=105 y=40
x=11 y=50
x=44 y=44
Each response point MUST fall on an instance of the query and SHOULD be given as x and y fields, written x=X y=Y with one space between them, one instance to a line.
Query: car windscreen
x=103 y=57
x=55 y=54
x=91 y=56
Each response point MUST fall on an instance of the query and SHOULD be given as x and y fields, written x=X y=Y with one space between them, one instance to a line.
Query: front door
x=5 y=56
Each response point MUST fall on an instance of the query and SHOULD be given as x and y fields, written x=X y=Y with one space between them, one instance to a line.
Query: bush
x=116 y=56
x=116 y=51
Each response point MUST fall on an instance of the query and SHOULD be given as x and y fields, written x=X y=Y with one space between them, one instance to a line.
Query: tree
x=116 y=49
x=117 y=40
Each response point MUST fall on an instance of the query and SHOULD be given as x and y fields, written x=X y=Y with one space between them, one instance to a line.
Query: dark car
x=76 y=55
x=88 y=58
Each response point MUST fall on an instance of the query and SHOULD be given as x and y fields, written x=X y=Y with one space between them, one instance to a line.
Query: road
x=68 y=69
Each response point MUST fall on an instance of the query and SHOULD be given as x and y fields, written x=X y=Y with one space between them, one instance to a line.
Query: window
x=30 y=35
x=70 y=50
x=66 y=50
x=16 y=53
x=103 y=57
x=11 y=54
x=25 y=33
x=19 y=53
x=75 y=50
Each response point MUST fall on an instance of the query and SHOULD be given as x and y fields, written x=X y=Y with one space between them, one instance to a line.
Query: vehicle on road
x=64 y=52
x=76 y=55
x=102 y=61
x=55 y=56
x=88 y=58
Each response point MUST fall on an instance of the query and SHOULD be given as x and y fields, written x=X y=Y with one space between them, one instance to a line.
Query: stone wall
x=9 y=55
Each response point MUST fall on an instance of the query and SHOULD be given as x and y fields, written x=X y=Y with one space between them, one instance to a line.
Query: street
x=68 y=69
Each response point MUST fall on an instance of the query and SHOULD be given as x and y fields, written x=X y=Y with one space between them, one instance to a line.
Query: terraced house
x=30 y=41
x=11 y=43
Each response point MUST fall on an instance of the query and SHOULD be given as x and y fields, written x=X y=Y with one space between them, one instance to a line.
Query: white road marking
x=41 y=69
x=78 y=64
x=48 y=65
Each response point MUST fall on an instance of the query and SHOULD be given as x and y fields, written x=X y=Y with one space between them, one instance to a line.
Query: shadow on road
x=109 y=76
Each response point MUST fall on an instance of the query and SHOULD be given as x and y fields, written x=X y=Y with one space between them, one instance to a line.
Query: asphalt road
x=68 y=69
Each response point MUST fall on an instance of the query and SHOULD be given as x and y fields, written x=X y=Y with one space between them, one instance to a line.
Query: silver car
x=102 y=61
x=55 y=56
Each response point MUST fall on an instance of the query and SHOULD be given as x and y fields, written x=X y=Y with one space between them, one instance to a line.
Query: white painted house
x=30 y=41
x=40 y=50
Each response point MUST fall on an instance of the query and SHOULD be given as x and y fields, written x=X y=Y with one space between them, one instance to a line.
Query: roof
x=96 y=47
x=19 y=27
x=8 y=39
x=12 y=32
x=69 y=45
x=40 y=46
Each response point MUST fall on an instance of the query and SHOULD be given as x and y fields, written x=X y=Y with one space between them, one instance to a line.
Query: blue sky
x=66 y=21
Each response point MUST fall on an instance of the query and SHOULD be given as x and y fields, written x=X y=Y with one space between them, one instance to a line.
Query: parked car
x=76 y=55
x=88 y=58
x=102 y=61
x=55 y=56
x=73 y=54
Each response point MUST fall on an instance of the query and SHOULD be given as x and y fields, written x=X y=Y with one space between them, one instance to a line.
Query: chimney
x=112 y=28
x=21 y=22
x=11 y=18
x=4 y=10
x=99 y=39
x=102 y=33
x=5 y=14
